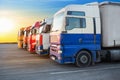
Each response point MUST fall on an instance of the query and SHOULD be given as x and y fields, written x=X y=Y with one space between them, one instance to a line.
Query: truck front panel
x=75 y=28
x=71 y=44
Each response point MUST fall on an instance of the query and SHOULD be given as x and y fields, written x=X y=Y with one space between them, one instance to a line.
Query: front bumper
x=56 y=54
x=41 y=51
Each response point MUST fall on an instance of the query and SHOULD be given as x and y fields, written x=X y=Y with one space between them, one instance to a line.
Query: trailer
x=42 y=37
x=86 y=34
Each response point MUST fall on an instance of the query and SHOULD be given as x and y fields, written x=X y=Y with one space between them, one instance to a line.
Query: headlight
x=59 y=51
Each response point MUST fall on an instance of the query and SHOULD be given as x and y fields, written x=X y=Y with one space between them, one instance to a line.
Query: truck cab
x=42 y=39
x=25 y=37
x=75 y=35
x=20 y=37
x=32 y=37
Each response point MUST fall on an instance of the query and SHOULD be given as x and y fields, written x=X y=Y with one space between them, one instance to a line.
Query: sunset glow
x=15 y=14
x=6 y=25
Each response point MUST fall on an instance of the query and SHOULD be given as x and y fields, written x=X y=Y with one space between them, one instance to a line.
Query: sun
x=6 y=24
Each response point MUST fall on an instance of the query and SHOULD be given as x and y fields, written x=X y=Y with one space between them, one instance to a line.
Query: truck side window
x=34 y=31
x=46 y=29
x=76 y=13
x=72 y=22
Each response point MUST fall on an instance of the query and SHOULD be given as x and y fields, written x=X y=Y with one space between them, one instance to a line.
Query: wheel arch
x=84 y=50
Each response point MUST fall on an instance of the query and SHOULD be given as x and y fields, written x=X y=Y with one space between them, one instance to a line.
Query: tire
x=36 y=49
x=83 y=59
x=48 y=51
x=108 y=57
x=22 y=46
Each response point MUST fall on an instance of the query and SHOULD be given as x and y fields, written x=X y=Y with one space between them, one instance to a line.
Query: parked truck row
x=80 y=34
x=35 y=38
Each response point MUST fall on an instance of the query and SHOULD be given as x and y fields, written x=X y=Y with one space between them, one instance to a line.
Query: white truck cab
x=43 y=43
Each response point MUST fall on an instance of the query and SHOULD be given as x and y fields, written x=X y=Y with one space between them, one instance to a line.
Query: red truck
x=32 y=37
x=25 y=37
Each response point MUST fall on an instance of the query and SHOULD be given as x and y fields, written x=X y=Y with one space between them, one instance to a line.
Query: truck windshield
x=74 y=22
x=58 y=22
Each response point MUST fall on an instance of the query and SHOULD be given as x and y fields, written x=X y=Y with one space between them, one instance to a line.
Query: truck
x=20 y=37
x=32 y=37
x=86 y=34
x=42 y=37
x=25 y=37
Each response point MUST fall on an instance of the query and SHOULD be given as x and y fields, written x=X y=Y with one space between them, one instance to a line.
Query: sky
x=15 y=14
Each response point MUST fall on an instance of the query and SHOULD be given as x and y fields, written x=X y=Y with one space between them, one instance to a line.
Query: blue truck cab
x=76 y=35
x=85 y=34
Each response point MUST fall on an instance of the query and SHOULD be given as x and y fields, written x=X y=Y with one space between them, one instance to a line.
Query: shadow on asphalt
x=102 y=63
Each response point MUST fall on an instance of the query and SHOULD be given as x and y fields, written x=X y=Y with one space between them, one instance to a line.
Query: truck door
x=46 y=34
x=89 y=31
x=85 y=24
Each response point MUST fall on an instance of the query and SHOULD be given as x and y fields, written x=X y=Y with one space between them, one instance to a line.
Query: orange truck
x=32 y=37
x=25 y=37
x=20 y=37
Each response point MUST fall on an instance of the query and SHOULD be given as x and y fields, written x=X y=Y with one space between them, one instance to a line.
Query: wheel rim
x=83 y=59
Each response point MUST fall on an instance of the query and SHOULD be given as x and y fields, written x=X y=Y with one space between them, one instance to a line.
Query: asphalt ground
x=19 y=64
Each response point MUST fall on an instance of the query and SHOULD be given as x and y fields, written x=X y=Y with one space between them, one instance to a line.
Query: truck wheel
x=48 y=51
x=36 y=49
x=83 y=59
x=108 y=57
x=22 y=45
